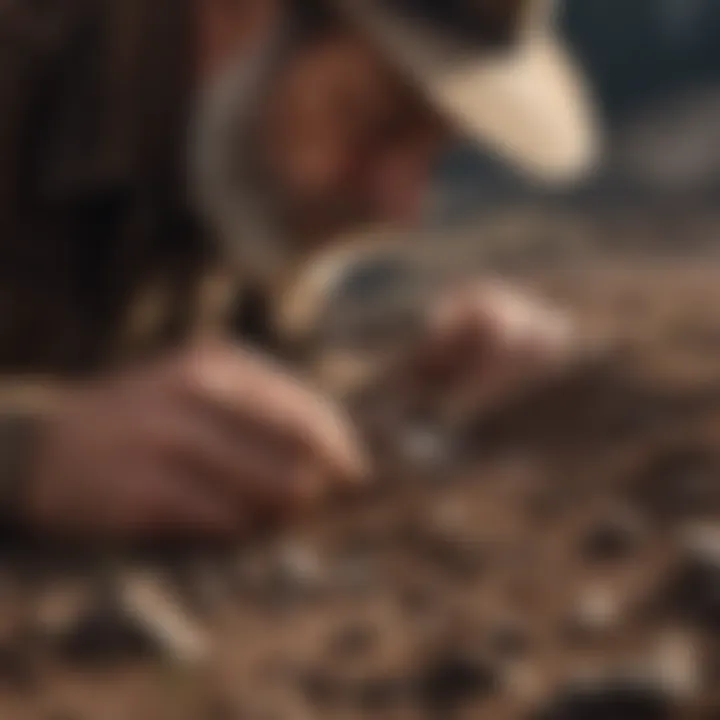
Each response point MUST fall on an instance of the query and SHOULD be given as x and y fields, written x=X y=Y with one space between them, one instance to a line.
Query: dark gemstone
x=613 y=538
x=452 y=679
x=694 y=591
x=610 y=700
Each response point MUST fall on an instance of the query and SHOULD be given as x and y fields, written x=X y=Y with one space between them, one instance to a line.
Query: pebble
x=523 y=681
x=694 y=590
x=453 y=678
x=611 y=698
x=144 y=599
x=425 y=445
x=598 y=609
x=613 y=538
x=297 y=572
x=677 y=664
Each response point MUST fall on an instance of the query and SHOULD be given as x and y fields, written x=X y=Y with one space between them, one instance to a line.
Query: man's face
x=344 y=139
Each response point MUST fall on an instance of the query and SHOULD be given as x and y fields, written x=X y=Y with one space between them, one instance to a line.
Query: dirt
x=567 y=567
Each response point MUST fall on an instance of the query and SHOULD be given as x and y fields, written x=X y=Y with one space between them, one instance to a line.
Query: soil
x=567 y=566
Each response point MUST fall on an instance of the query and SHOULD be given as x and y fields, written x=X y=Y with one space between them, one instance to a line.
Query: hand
x=198 y=444
x=488 y=340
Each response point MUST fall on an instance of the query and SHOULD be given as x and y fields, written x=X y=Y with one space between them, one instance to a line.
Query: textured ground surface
x=568 y=568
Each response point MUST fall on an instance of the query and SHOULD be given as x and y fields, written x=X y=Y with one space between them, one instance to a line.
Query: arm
x=24 y=409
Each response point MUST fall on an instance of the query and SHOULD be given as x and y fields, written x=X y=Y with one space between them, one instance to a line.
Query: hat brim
x=529 y=105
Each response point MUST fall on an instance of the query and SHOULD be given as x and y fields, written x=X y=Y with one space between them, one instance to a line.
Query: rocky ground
x=566 y=566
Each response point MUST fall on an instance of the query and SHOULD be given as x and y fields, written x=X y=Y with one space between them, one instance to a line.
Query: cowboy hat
x=498 y=70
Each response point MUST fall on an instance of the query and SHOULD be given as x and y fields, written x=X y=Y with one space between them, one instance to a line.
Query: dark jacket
x=94 y=98
x=94 y=103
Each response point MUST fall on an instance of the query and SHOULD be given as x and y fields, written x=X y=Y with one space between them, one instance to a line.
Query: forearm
x=24 y=409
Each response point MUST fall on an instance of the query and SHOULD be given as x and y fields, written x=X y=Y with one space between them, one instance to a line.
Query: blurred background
x=655 y=65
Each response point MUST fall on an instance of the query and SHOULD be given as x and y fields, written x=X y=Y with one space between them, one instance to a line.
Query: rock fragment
x=610 y=698
x=613 y=537
x=453 y=678
x=694 y=588
x=144 y=600
x=598 y=609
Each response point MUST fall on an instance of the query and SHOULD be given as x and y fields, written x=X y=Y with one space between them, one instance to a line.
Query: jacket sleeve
x=25 y=408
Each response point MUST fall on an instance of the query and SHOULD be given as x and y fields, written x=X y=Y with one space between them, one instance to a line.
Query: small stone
x=694 y=589
x=614 y=537
x=610 y=698
x=454 y=678
x=144 y=599
x=677 y=665
x=523 y=681
x=298 y=572
x=425 y=445
x=598 y=610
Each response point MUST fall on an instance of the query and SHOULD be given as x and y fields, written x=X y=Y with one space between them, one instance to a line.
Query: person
x=146 y=146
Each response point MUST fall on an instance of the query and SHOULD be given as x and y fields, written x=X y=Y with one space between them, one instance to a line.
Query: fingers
x=243 y=469
x=498 y=340
x=506 y=322
x=172 y=505
x=194 y=445
x=252 y=394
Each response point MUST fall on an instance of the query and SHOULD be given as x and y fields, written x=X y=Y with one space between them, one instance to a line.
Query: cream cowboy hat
x=498 y=70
